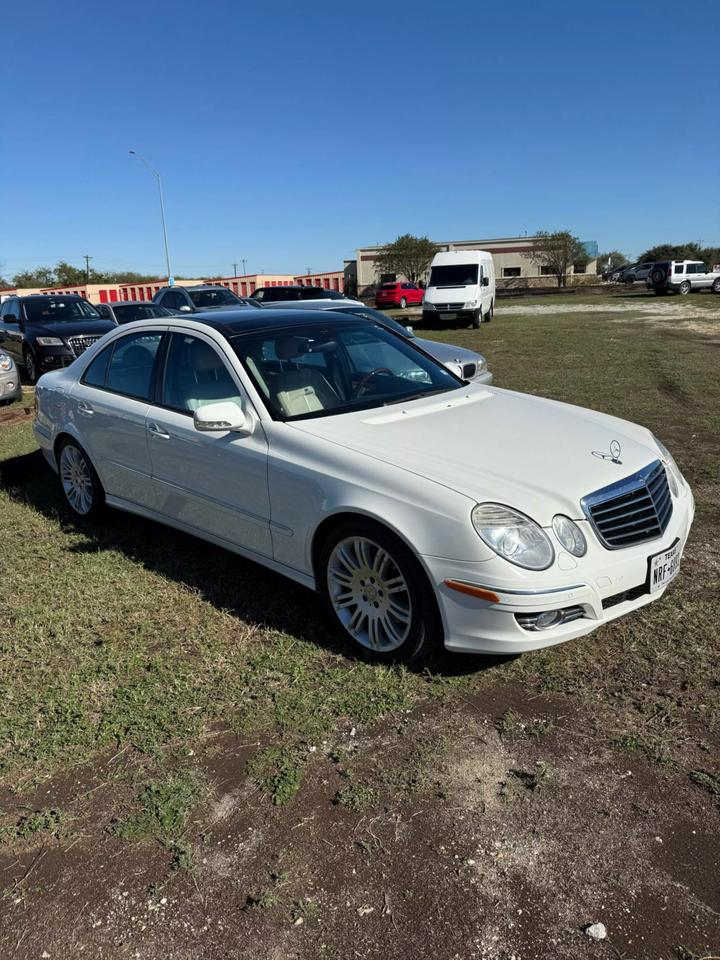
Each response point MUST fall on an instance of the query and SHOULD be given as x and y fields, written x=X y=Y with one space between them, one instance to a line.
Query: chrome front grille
x=632 y=510
x=449 y=306
x=79 y=345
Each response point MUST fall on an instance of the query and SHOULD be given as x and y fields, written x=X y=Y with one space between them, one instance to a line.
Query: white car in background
x=425 y=510
x=467 y=363
x=10 y=385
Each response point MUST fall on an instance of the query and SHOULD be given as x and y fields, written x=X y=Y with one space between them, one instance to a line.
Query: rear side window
x=679 y=268
x=133 y=361
x=94 y=375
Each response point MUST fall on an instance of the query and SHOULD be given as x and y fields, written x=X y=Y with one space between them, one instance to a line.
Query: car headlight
x=513 y=536
x=49 y=341
x=470 y=304
x=675 y=478
x=481 y=365
x=6 y=362
x=570 y=535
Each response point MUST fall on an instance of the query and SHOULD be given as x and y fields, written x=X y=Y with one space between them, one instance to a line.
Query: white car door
x=212 y=482
x=110 y=404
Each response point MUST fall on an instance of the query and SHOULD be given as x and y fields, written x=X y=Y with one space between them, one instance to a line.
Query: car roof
x=51 y=296
x=232 y=322
x=293 y=286
x=194 y=286
x=128 y=303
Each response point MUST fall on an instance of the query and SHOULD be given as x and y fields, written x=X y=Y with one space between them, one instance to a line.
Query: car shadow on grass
x=231 y=583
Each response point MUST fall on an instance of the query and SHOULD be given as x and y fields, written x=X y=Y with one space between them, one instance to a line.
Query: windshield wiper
x=415 y=396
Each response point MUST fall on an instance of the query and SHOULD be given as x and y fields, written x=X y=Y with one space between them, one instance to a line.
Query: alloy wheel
x=369 y=594
x=30 y=367
x=76 y=479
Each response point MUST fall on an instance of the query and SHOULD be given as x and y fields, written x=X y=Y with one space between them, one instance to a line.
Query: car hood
x=445 y=352
x=539 y=456
x=66 y=329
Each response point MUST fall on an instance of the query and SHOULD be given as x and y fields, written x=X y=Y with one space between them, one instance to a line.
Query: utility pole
x=235 y=266
x=87 y=260
x=162 y=207
x=244 y=262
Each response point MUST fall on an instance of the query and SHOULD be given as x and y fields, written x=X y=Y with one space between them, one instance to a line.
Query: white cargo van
x=461 y=287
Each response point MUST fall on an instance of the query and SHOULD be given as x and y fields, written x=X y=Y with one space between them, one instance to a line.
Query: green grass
x=28 y=827
x=131 y=634
x=161 y=812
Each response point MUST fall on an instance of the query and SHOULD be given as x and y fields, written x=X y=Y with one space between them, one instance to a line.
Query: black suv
x=47 y=331
x=201 y=297
x=289 y=292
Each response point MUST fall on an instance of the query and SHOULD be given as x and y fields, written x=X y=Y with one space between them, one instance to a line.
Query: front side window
x=195 y=375
x=212 y=298
x=335 y=368
x=59 y=310
x=454 y=275
x=131 y=367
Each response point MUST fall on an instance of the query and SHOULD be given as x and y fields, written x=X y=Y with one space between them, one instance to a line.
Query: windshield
x=454 y=275
x=379 y=317
x=213 y=298
x=59 y=310
x=126 y=313
x=319 y=370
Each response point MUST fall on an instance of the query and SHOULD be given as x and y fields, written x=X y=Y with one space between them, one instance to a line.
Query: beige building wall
x=511 y=256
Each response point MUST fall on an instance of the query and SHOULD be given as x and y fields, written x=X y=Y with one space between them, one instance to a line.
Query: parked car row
x=424 y=509
x=668 y=276
x=48 y=332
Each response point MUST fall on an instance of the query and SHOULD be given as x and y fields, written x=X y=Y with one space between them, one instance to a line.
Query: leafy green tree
x=683 y=251
x=408 y=255
x=40 y=277
x=558 y=252
x=614 y=258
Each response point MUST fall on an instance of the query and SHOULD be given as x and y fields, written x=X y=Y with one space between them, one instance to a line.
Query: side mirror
x=486 y=281
x=185 y=309
x=410 y=330
x=454 y=367
x=221 y=417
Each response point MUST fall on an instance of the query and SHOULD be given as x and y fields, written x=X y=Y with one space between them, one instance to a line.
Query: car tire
x=715 y=288
x=630 y=280
x=361 y=565
x=30 y=365
x=476 y=319
x=81 y=485
x=403 y=302
x=684 y=288
x=490 y=314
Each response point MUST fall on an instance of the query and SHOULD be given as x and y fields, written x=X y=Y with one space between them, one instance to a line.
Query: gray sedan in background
x=473 y=365
x=125 y=311
x=10 y=386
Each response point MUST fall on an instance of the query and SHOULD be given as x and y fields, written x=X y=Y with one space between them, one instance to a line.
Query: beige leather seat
x=300 y=389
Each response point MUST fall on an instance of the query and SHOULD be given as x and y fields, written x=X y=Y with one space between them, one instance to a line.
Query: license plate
x=448 y=316
x=664 y=567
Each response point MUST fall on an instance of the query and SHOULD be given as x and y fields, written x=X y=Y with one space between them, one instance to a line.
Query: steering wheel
x=368 y=376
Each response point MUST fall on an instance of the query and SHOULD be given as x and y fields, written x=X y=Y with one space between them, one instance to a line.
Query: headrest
x=204 y=357
x=288 y=348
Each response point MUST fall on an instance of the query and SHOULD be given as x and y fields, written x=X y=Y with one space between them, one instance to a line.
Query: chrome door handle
x=85 y=409
x=157 y=431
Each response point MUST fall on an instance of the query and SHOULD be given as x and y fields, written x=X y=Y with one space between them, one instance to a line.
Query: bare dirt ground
x=481 y=838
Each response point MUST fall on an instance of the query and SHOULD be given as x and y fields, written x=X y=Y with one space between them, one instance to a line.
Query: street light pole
x=162 y=208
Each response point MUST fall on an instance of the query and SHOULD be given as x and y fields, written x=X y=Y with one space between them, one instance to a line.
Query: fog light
x=548 y=619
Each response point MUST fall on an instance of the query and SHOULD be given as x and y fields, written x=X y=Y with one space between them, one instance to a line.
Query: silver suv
x=682 y=276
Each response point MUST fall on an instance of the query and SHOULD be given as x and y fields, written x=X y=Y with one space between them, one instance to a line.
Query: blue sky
x=289 y=134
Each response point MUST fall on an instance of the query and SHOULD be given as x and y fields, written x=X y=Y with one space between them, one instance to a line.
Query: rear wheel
x=403 y=302
x=30 y=365
x=80 y=482
x=684 y=288
x=376 y=592
x=490 y=314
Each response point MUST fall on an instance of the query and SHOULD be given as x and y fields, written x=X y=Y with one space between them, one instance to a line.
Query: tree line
x=64 y=274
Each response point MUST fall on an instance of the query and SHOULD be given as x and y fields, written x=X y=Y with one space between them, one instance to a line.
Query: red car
x=397 y=294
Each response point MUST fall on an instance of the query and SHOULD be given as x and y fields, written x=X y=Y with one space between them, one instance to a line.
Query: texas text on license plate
x=448 y=316
x=664 y=566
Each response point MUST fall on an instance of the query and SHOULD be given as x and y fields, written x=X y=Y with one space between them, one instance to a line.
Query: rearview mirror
x=409 y=329
x=486 y=281
x=221 y=417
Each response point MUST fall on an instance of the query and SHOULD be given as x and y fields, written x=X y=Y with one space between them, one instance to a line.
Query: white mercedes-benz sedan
x=424 y=509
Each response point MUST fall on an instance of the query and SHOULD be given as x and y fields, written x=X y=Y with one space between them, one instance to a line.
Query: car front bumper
x=10 y=386
x=604 y=584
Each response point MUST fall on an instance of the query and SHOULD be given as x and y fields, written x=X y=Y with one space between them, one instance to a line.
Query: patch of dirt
x=16 y=415
x=699 y=318
x=498 y=829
